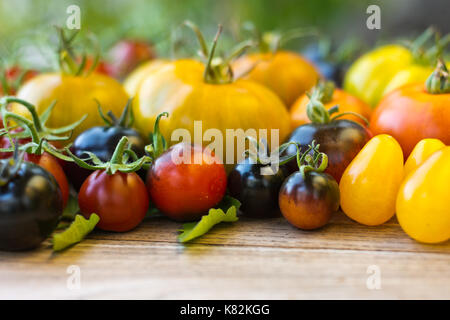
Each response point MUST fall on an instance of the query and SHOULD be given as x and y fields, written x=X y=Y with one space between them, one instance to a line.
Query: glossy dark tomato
x=309 y=202
x=185 y=181
x=340 y=140
x=30 y=205
x=120 y=200
x=256 y=186
x=51 y=164
x=101 y=141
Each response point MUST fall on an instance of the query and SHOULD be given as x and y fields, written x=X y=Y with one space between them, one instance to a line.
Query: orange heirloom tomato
x=75 y=96
x=346 y=102
x=287 y=73
x=415 y=112
x=421 y=152
x=423 y=209
x=370 y=183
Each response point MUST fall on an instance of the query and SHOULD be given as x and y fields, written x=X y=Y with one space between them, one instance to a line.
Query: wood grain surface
x=249 y=259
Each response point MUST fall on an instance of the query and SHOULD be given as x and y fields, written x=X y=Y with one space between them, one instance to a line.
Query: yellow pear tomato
x=370 y=183
x=423 y=209
x=421 y=152
x=75 y=96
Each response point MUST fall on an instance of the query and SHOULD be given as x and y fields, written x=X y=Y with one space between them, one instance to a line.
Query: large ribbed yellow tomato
x=287 y=73
x=180 y=89
x=135 y=78
x=75 y=96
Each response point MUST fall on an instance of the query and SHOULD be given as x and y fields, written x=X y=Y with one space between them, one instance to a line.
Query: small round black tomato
x=340 y=140
x=257 y=192
x=309 y=201
x=102 y=142
x=30 y=205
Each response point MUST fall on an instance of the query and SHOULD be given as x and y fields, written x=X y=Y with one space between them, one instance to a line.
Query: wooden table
x=249 y=259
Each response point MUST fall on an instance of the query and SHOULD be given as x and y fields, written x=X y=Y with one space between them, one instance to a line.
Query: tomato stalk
x=217 y=69
x=125 y=120
x=316 y=111
x=438 y=82
x=35 y=129
x=317 y=161
x=119 y=160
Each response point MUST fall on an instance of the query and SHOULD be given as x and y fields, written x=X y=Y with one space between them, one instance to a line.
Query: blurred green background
x=25 y=24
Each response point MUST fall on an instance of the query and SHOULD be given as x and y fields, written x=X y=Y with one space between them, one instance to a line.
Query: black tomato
x=30 y=205
x=257 y=192
x=341 y=140
x=102 y=141
x=308 y=201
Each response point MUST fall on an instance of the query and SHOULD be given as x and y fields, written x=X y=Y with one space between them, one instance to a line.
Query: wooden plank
x=250 y=259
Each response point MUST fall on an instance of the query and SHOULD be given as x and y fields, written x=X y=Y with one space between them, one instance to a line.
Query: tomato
x=345 y=101
x=102 y=141
x=75 y=96
x=309 y=197
x=127 y=54
x=257 y=192
x=134 y=80
x=120 y=200
x=412 y=113
x=370 y=183
x=13 y=78
x=184 y=188
x=340 y=139
x=421 y=152
x=181 y=89
x=287 y=73
x=30 y=205
x=52 y=165
x=422 y=202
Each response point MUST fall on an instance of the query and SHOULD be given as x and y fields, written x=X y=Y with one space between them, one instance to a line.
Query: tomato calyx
x=217 y=69
x=69 y=62
x=317 y=161
x=125 y=120
x=159 y=144
x=34 y=129
x=321 y=94
x=438 y=82
x=119 y=161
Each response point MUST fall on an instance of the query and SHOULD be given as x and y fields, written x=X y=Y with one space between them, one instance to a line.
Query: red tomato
x=51 y=164
x=119 y=199
x=127 y=54
x=12 y=77
x=185 y=191
x=411 y=114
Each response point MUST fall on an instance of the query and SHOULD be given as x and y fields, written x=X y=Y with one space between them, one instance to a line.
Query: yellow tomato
x=75 y=96
x=414 y=73
x=421 y=152
x=423 y=209
x=134 y=80
x=370 y=183
x=287 y=73
x=180 y=89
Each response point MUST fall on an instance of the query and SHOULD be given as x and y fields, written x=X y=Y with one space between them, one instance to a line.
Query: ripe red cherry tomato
x=185 y=191
x=120 y=200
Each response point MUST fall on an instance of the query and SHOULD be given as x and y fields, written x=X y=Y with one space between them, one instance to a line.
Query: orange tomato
x=287 y=73
x=411 y=114
x=346 y=102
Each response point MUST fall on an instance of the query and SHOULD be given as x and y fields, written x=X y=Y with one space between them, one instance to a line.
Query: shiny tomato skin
x=185 y=191
x=51 y=164
x=120 y=200
x=411 y=114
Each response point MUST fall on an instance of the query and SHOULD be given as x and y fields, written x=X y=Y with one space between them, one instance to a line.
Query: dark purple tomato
x=257 y=192
x=309 y=201
x=30 y=205
x=340 y=140
x=102 y=142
